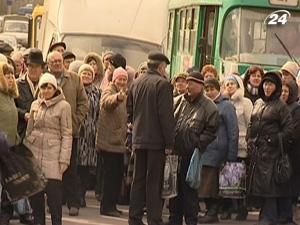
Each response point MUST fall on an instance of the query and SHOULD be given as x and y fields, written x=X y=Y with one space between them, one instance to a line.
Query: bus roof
x=134 y=19
x=293 y=4
x=185 y=3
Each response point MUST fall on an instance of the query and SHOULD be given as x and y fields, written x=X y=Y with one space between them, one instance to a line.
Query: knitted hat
x=119 y=72
x=213 y=82
x=48 y=78
x=86 y=67
x=196 y=76
x=291 y=67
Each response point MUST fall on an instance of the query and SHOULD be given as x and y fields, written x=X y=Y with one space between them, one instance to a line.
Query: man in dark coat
x=196 y=119
x=28 y=86
x=3 y=143
x=150 y=110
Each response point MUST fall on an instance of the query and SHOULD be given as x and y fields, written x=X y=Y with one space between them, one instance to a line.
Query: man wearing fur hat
x=196 y=119
x=76 y=96
x=150 y=110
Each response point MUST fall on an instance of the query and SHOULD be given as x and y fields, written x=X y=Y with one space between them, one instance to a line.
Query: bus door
x=207 y=39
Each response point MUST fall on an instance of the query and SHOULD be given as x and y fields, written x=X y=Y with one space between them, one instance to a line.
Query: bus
x=232 y=34
x=35 y=25
x=132 y=28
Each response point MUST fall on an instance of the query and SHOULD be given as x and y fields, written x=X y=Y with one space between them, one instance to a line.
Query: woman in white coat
x=49 y=137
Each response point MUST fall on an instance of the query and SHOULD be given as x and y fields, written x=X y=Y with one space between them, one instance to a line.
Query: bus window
x=170 y=30
x=247 y=39
x=229 y=39
x=193 y=31
x=182 y=17
x=188 y=21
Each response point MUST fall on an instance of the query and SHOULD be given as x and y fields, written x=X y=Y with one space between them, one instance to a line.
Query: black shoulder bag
x=283 y=168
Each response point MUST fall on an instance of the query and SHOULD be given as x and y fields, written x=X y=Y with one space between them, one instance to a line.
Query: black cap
x=35 y=56
x=158 y=57
x=118 y=60
x=68 y=55
x=196 y=76
x=5 y=48
x=63 y=44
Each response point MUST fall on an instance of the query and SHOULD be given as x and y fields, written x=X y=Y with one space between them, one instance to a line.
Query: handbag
x=232 y=180
x=283 y=168
x=193 y=175
x=20 y=174
x=169 y=187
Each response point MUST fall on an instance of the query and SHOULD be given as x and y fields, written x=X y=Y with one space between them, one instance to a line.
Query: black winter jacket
x=150 y=110
x=196 y=124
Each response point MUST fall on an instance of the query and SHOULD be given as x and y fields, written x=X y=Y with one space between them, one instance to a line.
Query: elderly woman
x=87 y=154
x=111 y=139
x=270 y=121
x=49 y=137
x=94 y=60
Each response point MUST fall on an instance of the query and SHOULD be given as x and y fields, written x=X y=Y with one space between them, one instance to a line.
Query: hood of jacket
x=239 y=94
x=293 y=91
x=97 y=58
x=13 y=92
x=275 y=78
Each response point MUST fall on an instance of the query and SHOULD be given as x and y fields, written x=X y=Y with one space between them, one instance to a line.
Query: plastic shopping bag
x=169 y=188
x=193 y=176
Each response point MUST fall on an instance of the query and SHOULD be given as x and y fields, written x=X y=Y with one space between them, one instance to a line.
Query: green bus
x=232 y=34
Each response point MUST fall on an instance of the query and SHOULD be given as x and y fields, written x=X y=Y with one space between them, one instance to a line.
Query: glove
x=63 y=167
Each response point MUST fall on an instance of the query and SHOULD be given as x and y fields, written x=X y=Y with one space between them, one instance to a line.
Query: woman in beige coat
x=49 y=137
x=111 y=138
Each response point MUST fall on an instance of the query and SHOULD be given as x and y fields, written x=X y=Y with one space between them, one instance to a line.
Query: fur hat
x=86 y=67
x=94 y=56
x=291 y=67
x=48 y=78
x=119 y=72
x=75 y=65
x=117 y=60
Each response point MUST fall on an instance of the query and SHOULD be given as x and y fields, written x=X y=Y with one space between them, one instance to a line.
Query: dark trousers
x=146 y=187
x=186 y=202
x=113 y=174
x=99 y=175
x=71 y=183
x=53 y=191
x=285 y=209
x=84 y=173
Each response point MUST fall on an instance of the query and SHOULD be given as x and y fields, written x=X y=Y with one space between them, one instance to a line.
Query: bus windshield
x=134 y=51
x=247 y=39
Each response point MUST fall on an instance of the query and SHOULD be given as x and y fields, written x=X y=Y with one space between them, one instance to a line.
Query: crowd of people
x=81 y=118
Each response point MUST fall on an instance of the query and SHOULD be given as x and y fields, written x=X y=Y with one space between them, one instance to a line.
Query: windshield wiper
x=286 y=50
